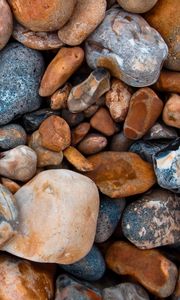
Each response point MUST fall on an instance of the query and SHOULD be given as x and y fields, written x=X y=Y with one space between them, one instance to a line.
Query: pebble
x=86 y=93
x=73 y=119
x=120 y=142
x=79 y=132
x=42 y=16
x=92 y=144
x=102 y=122
x=171 y=112
x=137 y=6
x=121 y=174
x=21 y=69
x=59 y=98
x=159 y=131
x=91 y=110
x=91 y=267
x=168 y=82
x=153 y=220
x=18 y=163
x=11 y=136
x=176 y=294
x=167 y=166
x=127 y=290
x=48 y=199
x=77 y=159
x=128 y=47
x=87 y=15
x=145 y=108
x=11 y=185
x=6 y=21
x=55 y=134
x=149 y=268
x=109 y=215
x=65 y=63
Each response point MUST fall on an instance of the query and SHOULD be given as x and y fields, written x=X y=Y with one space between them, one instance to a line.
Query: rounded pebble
x=11 y=136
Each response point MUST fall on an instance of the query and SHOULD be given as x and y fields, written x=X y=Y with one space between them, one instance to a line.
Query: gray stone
x=11 y=136
x=120 y=142
x=160 y=131
x=125 y=291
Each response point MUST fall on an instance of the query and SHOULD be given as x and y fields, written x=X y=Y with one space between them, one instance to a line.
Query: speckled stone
x=91 y=267
x=125 y=291
x=21 y=69
x=167 y=166
x=153 y=220
x=125 y=44
x=160 y=131
x=11 y=136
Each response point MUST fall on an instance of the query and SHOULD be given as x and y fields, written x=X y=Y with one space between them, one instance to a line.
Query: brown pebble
x=59 y=98
x=168 y=82
x=77 y=159
x=79 y=132
x=103 y=122
x=10 y=184
x=92 y=144
x=171 y=112
x=6 y=23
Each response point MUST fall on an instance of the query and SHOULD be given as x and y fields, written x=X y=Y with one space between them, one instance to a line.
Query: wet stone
x=127 y=290
x=160 y=131
x=11 y=136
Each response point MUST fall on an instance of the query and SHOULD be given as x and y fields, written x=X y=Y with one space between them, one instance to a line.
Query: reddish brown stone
x=168 y=82
x=150 y=268
x=55 y=133
x=92 y=143
x=103 y=122
x=171 y=112
x=59 y=98
x=77 y=159
x=145 y=108
x=79 y=133
x=10 y=184
x=6 y=23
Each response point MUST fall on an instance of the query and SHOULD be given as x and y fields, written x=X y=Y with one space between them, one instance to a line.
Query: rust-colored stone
x=168 y=82
x=10 y=184
x=103 y=122
x=77 y=159
x=171 y=112
x=92 y=143
x=59 y=98
x=79 y=132
x=6 y=23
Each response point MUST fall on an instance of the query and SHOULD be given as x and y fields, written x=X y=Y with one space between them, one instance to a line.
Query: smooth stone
x=121 y=174
x=21 y=69
x=171 y=112
x=128 y=47
x=137 y=6
x=102 y=122
x=10 y=184
x=120 y=142
x=153 y=220
x=168 y=82
x=91 y=110
x=176 y=294
x=167 y=166
x=59 y=98
x=75 y=158
x=50 y=205
x=73 y=119
x=149 y=268
x=6 y=21
x=79 y=132
x=11 y=136
x=91 y=267
x=160 y=131
x=127 y=290
x=110 y=212
x=93 y=143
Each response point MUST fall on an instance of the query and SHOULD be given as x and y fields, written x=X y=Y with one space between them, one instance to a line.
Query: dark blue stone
x=11 y=136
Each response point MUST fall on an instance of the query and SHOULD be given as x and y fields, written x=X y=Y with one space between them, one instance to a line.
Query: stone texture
x=171 y=112
x=153 y=220
x=176 y=294
x=168 y=82
x=126 y=45
x=121 y=174
x=6 y=21
x=102 y=122
x=150 y=268
x=79 y=132
x=55 y=133
x=11 y=185
x=120 y=142
x=137 y=6
x=91 y=110
x=92 y=144
x=21 y=69
x=73 y=119
x=87 y=15
x=60 y=69
x=11 y=136
x=45 y=15
x=159 y=131
x=48 y=230
x=127 y=290
x=145 y=108
x=77 y=159
x=59 y=98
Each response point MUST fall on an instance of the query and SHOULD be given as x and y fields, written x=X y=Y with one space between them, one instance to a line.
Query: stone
x=128 y=47
x=160 y=17
x=91 y=110
x=64 y=64
x=109 y=215
x=6 y=21
x=79 y=132
x=87 y=15
x=168 y=82
x=117 y=100
x=49 y=210
x=55 y=133
x=137 y=6
x=160 y=132
x=36 y=40
x=21 y=279
x=91 y=267
x=120 y=142
x=171 y=111
x=86 y=93
x=11 y=136
x=42 y=15
x=153 y=220
x=18 y=163
x=92 y=144
x=11 y=185
x=59 y=98
x=167 y=166
x=121 y=174
x=145 y=108
x=68 y=288
x=102 y=122
x=77 y=159
x=127 y=290
x=176 y=294
x=73 y=119
x=21 y=69
x=149 y=268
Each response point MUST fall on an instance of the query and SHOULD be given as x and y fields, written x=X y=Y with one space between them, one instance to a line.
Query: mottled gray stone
x=125 y=44
x=21 y=69
x=160 y=131
x=153 y=220
x=125 y=291
x=11 y=136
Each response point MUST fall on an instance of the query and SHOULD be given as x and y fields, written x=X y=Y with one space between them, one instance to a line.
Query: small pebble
x=11 y=136
x=137 y=6
x=79 y=132
x=168 y=82
x=59 y=98
x=77 y=159
x=120 y=142
x=10 y=184
x=102 y=122
x=6 y=21
x=92 y=144
x=91 y=110
x=127 y=290
x=73 y=119
x=160 y=131
x=176 y=294
x=171 y=112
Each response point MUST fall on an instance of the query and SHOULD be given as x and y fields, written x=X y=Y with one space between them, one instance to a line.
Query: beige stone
x=137 y=6
x=171 y=112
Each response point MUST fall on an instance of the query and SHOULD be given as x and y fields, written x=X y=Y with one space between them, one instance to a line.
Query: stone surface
x=48 y=210
x=168 y=82
x=45 y=15
x=11 y=136
x=145 y=108
x=64 y=64
x=102 y=122
x=77 y=159
x=171 y=112
x=176 y=294
x=121 y=174
x=91 y=110
x=73 y=119
x=11 y=185
x=91 y=267
x=159 y=131
x=126 y=45
x=59 y=98
x=167 y=166
x=21 y=279
x=79 y=132
x=86 y=93
x=21 y=69
x=127 y=290
x=55 y=133
x=92 y=144
x=120 y=142
x=137 y=6
x=153 y=220
x=150 y=268
x=87 y=15
x=18 y=163
x=6 y=21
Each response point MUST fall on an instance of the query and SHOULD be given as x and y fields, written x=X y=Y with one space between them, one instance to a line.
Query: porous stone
x=137 y=6
x=59 y=98
x=102 y=122
x=159 y=131
x=127 y=290
x=171 y=112
x=61 y=224
x=21 y=69
x=11 y=136
x=120 y=142
x=77 y=159
x=92 y=144
x=128 y=47
x=79 y=132
x=6 y=21
x=10 y=184
x=168 y=82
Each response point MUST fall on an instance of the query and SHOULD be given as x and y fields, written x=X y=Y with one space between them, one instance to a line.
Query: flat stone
x=102 y=122
x=6 y=21
x=171 y=112
x=92 y=144
x=137 y=6
x=77 y=159
x=79 y=132
x=127 y=290
x=168 y=82
x=11 y=136
x=160 y=132
x=120 y=142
